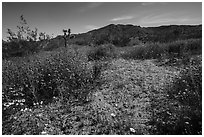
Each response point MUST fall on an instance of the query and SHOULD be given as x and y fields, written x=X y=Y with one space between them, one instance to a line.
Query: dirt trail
x=123 y=103
x=127 y=91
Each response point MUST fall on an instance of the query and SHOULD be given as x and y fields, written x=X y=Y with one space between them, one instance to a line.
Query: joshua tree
x=69 y=32
x=66 y=35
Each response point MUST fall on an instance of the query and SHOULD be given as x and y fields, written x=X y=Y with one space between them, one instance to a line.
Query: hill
x=124 y=35
x=118 y=35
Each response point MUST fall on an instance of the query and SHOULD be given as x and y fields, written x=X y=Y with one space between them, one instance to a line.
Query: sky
x=80 y=17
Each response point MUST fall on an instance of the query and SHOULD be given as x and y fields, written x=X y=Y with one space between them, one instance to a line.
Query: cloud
x=94 y=4
x=165 y=18
x=90 y=27
x=122 y=18
x=91 y=5
x=147 y=3
x=152 y=3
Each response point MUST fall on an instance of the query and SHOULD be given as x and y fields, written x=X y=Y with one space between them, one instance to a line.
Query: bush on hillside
x=60 y=73
x=177 y=49
x=24 y=41
x=19 y=48
x=102 y=52
x=181 y=111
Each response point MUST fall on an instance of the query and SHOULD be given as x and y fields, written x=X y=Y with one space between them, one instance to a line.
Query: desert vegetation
x=106 y=84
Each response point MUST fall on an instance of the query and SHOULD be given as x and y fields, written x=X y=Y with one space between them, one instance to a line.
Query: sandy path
x=127 y=90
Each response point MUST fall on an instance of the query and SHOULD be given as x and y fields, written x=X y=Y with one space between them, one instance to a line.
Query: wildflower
x=132 y=130
x=39 y=115
x=43 y=132
x=113 y=115
x=187 y=123
x=168 y=113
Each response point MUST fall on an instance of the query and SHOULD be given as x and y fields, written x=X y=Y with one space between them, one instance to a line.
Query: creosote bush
x=39 y=78
x=181 y=111
x=102 y=52
x=176 y=49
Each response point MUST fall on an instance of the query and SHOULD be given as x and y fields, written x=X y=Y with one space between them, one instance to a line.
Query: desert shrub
x=147 y=51
x=43 y=76
x=133 y=53
x=176 y=49
x=134 y=42
x=79 y=41
x=102 y=52
x=181 y=111
x=51 y=46
x=19 y=48
x=24 y=41
x=153 y=50
x=46 y=119
x=194 y=46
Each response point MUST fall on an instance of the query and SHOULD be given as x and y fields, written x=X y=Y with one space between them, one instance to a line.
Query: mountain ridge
x=120 y=35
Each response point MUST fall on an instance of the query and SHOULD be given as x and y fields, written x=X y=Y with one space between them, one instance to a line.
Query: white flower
x=40 y=115
x=168 y=113
x=43 y=132
x=132 y=130
x=187 y=123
